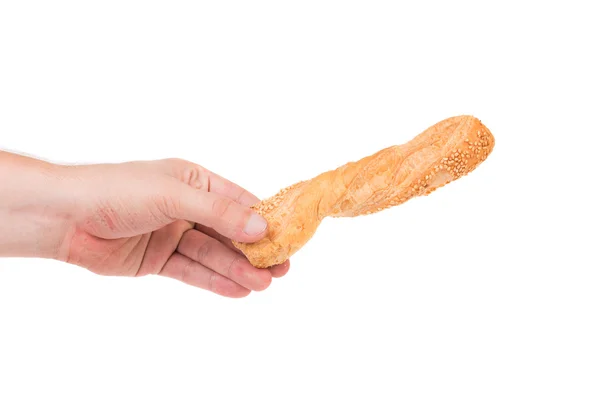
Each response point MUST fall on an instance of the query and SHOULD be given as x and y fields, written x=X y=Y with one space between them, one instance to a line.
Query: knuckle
x=212 y=281
x=203 y=252
x=186 y=272
x=189 y=173
x=196 y=176
x=221 y=207
x=244 y=197
x=234 y=269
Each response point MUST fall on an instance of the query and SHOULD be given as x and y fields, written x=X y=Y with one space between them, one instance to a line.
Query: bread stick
x=443 y=153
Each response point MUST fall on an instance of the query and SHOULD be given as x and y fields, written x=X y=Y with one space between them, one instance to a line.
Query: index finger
x=206 y=180
x=181 y=202
x=223 y=186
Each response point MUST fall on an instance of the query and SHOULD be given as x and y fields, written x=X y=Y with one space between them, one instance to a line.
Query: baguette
x=443 y=153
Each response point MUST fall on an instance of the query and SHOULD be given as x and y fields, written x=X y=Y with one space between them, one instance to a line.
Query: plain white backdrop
x=482 y=299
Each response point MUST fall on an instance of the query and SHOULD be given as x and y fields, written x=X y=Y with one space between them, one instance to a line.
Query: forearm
x=33 y=218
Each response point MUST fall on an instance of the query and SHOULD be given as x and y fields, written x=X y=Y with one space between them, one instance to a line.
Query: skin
x=167 y=217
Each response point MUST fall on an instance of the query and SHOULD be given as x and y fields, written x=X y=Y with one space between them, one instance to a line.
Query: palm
x=137 y=255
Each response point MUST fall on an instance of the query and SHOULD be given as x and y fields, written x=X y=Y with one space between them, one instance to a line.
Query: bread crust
x=443 y=153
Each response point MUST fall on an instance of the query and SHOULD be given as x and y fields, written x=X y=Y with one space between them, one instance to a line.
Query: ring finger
x=277 y=271
x=216 y=256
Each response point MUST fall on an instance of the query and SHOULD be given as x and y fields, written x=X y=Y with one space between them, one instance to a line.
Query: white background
x=482 y=299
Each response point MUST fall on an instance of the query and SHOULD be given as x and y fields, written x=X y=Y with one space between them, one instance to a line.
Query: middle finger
x=216 y=256
x=277 y=271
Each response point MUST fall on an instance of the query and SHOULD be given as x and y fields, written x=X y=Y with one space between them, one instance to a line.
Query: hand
x=168 y=217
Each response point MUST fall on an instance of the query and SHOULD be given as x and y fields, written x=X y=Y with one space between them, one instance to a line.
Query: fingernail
x=255 y=225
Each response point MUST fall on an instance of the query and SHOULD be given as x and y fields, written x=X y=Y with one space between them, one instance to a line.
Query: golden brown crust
x=443 y=153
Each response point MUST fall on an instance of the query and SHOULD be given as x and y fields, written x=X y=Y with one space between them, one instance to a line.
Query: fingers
x=161 y=245
x=215 y=235
x=227 y=188
x=186 y=270
x=202 y=179
x=277 y=271
x=227 y=217
x=216 y=256
x=223 y=205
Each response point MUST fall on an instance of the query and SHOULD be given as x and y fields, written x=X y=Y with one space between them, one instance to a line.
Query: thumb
x=226 y=216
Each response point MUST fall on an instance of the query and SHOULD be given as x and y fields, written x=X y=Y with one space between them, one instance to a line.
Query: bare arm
x=168 y=217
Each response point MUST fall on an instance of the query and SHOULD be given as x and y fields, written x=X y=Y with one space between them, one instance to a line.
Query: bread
x=444 y=152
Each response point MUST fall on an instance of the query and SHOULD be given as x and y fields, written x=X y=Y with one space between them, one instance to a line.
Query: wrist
x=34 y=219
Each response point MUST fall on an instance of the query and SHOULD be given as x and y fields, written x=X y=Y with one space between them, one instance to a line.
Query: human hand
x=169 y=217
